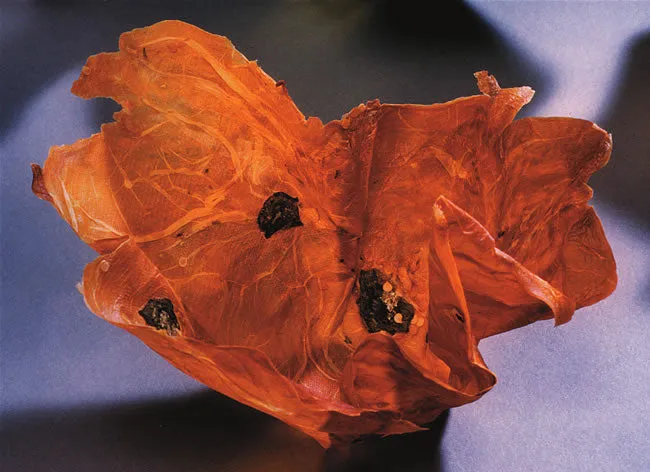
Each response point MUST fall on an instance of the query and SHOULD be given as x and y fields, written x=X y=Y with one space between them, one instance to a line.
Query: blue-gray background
x=81 y=395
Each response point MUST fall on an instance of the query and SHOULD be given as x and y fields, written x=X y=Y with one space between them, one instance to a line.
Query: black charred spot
x=377 y=310
x=337 y=174
x=279 y=212
x=280 y=83
x=159 y=313
x=406 y=309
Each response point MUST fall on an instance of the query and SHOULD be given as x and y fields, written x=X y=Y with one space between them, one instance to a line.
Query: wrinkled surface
x=478 y=223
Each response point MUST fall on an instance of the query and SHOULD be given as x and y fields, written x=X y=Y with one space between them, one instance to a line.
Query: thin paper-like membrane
x=480 y=224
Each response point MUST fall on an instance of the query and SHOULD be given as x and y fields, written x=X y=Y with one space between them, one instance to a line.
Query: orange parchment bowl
x=337 y=276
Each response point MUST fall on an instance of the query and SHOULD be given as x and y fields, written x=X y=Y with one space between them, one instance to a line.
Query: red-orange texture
x=337 y=276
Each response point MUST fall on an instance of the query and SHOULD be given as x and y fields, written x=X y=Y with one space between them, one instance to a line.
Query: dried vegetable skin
x=337 y=276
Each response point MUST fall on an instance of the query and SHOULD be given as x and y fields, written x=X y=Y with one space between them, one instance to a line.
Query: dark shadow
x=625 y=181
x=202 y=432
x=413 y=452
x=438 y=48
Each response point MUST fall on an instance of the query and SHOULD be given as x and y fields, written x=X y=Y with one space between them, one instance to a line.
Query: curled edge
x=38 y=184
x=516 y=292
x=487 y=83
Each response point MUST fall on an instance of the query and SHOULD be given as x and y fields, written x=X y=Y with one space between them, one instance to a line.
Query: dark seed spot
x=280 y=83
x=378 y=313
x=280 y=211
x=341 y=261
x=460 y=317
x=159 y=313
x=347 y=340
x=205 y=171
x=144 y=53
x=179 y=235
x=500 y=234
x=337 y=174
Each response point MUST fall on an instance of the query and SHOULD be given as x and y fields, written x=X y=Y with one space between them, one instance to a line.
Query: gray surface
x=79 y=394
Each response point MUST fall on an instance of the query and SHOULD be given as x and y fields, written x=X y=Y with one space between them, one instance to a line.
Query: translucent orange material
x=337 y=276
